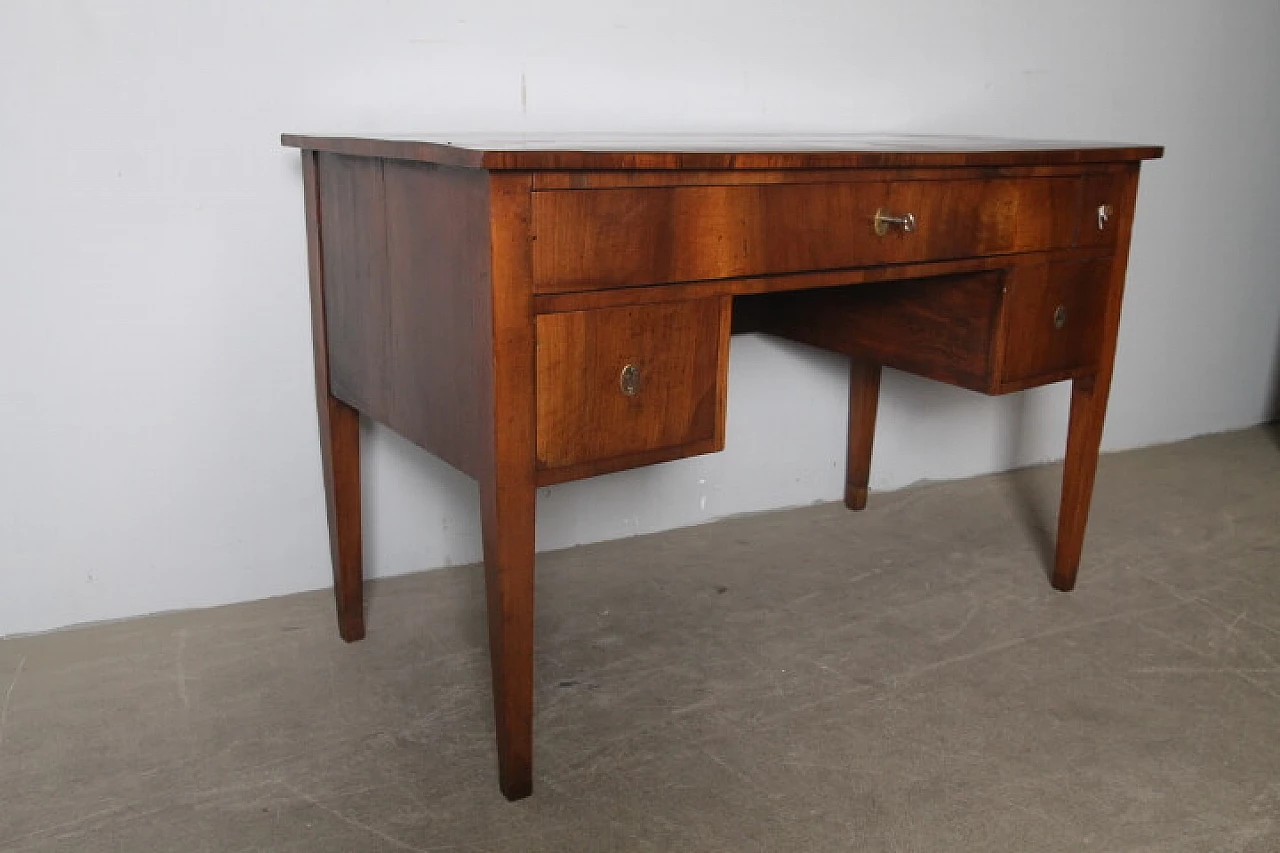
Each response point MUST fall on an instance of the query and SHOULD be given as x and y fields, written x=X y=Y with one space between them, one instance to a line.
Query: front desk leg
x=507 y=492
x=1084 y=437
x=507 y=518
x=864 y=396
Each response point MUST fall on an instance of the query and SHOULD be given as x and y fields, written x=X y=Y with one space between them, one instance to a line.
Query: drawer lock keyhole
x=1060 y=316
x=629 y=380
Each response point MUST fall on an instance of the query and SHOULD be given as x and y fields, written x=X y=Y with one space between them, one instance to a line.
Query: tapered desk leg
x=864 y=395
x=339 y=438
x=340 y=446
x=508 y=529
x=507 y=491
x=1089 y=405
x=1084 y=437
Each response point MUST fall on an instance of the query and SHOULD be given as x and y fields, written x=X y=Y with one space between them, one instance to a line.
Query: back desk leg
x=340 y=447
x=339 y=435
x=864 y=395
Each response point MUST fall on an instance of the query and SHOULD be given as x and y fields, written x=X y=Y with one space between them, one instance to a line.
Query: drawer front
x=1053 y=318
x=618 y=387
x=601 y=238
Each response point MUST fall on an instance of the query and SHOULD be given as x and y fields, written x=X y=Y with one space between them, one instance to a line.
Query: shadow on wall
x=1273 y=410
x=1035 y=491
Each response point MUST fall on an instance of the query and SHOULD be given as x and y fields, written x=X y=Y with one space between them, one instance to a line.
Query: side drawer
x=629 y=386
x=995 y=331
x=596 y=238
x=1052 y=320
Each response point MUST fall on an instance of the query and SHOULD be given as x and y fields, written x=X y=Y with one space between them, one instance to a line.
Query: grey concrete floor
x=902 y=679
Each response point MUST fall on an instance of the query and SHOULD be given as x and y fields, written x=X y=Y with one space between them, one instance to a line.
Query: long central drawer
x=587 y=239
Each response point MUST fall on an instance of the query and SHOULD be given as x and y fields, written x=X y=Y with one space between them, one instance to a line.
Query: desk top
x=727 y=151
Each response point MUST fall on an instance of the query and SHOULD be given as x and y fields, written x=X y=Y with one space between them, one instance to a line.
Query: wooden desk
x=538 y=311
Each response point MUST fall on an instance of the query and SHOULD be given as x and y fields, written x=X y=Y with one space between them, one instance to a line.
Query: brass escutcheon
x=1104 y=215
x=1060 y=316
x=629 y=380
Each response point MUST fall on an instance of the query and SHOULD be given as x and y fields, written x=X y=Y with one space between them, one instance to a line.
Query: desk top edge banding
x=741 y=152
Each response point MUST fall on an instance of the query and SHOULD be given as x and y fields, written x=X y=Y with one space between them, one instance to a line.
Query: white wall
x=157 y=444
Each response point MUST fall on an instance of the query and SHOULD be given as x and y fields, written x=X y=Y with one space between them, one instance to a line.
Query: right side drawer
x=1052 y=318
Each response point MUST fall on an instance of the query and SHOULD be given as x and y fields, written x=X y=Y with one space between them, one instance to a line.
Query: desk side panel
x=406 y=255
x=353 y=238
x=439 y=265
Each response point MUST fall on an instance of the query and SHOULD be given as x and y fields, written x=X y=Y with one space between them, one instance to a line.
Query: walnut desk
x=538 y=311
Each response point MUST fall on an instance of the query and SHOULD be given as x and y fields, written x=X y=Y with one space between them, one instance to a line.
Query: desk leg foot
x=864 y=395
x=508 y=528
x=340 y=446
x=1084 y=437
